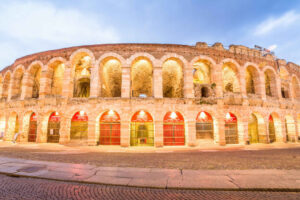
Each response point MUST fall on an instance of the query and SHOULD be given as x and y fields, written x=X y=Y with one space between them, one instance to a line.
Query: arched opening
x=174 y=131
x=172 y=75
x=230 y=78
x=2 y=126
x=142 y=129
x=270 y=83
x=272 y=134
x=5 y=86
x=53 y=128
x=284 y=76
x=253 y=129
x=290 y=129
x=231 y=131
x=296 y=88
x=79 y=127
x=57 y=76
x=110 y=128
x=141 y=78
x=34 y=83
x=13 y=127
x=252 y=80
x=204 y=126
x=111 y=77
x=202 y=78
x=32 y=128
x=17 y=84
x=82 y=76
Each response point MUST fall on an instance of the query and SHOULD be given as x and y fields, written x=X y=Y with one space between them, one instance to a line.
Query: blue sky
x=29 y=26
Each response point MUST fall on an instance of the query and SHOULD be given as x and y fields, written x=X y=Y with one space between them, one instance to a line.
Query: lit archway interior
x=230 y=78
x=252 y=80
x=34 y=84
x=172 y=78
x=141 y=78
x=79 y=126
x=270 y=83
x=202 y=78
x=174 y=131
x=57 y=74
x=17 y=83
x=2 y=126
x=53 y=128
x=110 y=128
x=204 y=126
x=253 y=129
x=5 y=88
x=284 y=76
x=231 y=131
x=32 y=131
x=141 y=129
x=290 y=128
x=272 y=133
x=83 y=65
x=111 y=78
x=13 y=127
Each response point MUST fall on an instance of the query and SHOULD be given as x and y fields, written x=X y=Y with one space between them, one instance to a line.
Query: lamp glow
x=111 y=112
x=81 y=112
x=228 y=116
x=202 y=115
x=173 y=115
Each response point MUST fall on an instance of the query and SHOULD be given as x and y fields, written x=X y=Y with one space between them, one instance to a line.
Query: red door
x=110 y=128
x=32 y=128
x=174 y=131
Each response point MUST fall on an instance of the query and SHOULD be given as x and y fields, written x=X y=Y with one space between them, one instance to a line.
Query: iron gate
x=174 y=134
x=204 y=130
x=32 y=128
x=110 y=133
x=142 y=134
x=231 y=135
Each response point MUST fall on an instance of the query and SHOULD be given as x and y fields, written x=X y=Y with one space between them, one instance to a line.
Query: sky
x=31 y=26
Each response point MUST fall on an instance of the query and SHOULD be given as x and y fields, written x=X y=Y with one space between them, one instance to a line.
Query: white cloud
x=272 y=47
x=272 y=24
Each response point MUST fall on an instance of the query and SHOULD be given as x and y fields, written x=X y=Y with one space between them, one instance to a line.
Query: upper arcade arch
x=6 y=84
x=296 y=87
x=230 y=74
x=253 y=80
x=17 y=79
x=270 y=82
x=55 y=76
x=285 y=82
x=33 y=80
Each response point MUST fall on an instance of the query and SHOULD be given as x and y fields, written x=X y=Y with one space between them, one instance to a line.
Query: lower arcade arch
x=271 y=129
x=142 y=129
x=204 y=126
x=231 y=129
x=32 y=129
x=290 y=129
x=256 y=129
x=79 y=127
x=53 y=128
x=173 y=128
x=110 y=128
x=13 y=127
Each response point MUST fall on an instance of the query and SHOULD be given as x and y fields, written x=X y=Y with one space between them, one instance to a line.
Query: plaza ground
x=231 y=157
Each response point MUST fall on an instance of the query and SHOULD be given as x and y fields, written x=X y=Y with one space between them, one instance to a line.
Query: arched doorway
x=82 y=75
x=32 y=128
x=253 y=129
x=53 y=128
x=174 y=133
x=231 y=131
x=142 y=129
x=290 y=129
x=110 y=128
x=272 y=135
x=79 y=127
x=204 y=126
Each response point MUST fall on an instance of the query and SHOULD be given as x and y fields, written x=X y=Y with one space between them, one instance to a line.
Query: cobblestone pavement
x=196 y=159
x=31 y=189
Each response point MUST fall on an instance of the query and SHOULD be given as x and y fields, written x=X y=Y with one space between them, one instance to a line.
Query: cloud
x=272 y=24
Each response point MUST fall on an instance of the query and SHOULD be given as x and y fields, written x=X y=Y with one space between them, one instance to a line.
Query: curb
x=154 y=187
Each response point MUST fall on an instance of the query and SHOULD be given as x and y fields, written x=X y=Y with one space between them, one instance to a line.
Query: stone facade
x=241 y=82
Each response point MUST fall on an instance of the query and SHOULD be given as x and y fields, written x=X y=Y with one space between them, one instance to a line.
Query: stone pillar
x=188 y=85
x=158 y=85
x=159 y=134
x=95 y=82
x=125 y=93
x=41 y=129
x=65 y=128
x=221 y=126
x=10 y=88
x=262 y=86
x=245 y=132
x=219 y=84
x=92 y=140
x=278 y=86
x=297 y=128
x=191 y=131
x=243 y=84
x=283 y=130
x=26 y=86
x=67 y=90
x=125 y=133
x=45 y=82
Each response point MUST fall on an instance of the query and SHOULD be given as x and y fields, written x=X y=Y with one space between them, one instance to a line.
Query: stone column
x=67 y=90
x=45 y=81
x=92 y=140
x=158 y=85
x=262 y=86
x=243 y=84
x=65 y=127
x=221 y=126
x=95 y=82
x=158 y=134
x=125 y=93
x=26 y=86
x=191 y=130
x=10 y=89
x=125 y=133
x=283 y=130
x=278 y=86
x=245 y=124
x=219 y=84
x=296 y=127
x=188 y=85
x=41 y=129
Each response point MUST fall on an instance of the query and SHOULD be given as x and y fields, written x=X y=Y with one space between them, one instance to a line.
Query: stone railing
x=231 y=98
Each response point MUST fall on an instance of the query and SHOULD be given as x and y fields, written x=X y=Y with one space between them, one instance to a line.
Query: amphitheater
x=150 y=95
